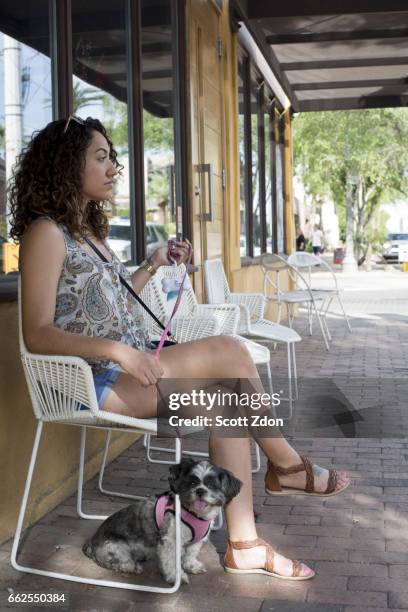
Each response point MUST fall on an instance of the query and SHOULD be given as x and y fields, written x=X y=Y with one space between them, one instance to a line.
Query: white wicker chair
x=252 y=322
x=307 y=261
x=59 y=386
x=316 y=301
x=191 y=322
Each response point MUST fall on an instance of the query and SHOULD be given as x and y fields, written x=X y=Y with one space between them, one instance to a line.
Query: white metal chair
x=59 y=387
x=252 y=322
x=191 y=322
x=272 y=266
x=307 y=261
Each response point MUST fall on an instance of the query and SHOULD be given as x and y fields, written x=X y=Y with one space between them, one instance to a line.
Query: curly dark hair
x=46 y=180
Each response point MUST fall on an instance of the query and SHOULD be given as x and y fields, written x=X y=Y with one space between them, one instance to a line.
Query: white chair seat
x=260 y=354
x=297 y=297
x=274 y=331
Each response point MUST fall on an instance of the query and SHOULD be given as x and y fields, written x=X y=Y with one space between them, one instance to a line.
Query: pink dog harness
x=199 y=527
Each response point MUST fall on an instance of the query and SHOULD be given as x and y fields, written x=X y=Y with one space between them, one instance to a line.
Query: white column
x=13 y=108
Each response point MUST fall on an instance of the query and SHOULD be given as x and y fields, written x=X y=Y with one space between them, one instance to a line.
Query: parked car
x=391 y=247
x=119 y=238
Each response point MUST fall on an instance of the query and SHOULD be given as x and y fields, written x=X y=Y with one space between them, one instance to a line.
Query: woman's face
x=99 y=171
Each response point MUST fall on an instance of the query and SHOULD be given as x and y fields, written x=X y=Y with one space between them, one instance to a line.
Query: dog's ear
x=178 y=471
x=230 y=485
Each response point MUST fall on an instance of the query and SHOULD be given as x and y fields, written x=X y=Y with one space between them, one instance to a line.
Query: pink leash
x=176 y=305
x=167 y=327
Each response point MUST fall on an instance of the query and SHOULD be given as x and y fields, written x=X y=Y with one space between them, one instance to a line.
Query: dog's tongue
x=200 y=505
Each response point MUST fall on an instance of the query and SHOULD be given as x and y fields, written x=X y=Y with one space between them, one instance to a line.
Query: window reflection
x=100 y=90
x=280 y=189
x=268 y=182
x=242 y=204
x=25 y=98
x=163 y=216
x=256 y=200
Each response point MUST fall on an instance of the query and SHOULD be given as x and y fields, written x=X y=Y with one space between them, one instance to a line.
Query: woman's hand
x=179 y=253
x=142 y=366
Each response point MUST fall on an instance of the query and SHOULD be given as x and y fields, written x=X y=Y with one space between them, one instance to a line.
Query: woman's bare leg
x=234 y=454
x=220 y=357
x=213 y=359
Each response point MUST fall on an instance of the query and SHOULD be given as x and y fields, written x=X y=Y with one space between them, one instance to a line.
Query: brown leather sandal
x=273 y=486
x=231 y=567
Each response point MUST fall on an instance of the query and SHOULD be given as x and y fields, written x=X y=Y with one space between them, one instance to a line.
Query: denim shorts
x=104 y=382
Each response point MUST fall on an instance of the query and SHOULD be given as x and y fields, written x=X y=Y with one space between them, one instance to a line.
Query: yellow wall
x=56 y=472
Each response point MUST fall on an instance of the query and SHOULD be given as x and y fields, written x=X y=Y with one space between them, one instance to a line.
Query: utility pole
x=13 y=108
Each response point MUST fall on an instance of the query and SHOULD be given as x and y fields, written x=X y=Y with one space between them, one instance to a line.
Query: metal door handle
x=207 y=169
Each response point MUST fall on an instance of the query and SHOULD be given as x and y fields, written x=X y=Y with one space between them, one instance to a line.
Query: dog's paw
x=130 y=567
x=184 y=578
x=195 y=567
x=170 y=579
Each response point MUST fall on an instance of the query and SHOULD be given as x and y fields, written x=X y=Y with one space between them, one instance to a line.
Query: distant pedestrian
x=300 y=239
x=317 y=240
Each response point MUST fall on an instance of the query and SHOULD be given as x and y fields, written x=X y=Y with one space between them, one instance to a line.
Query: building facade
x=203 y=130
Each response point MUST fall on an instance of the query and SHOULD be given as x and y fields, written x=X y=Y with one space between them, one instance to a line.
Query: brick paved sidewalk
x=356 y=541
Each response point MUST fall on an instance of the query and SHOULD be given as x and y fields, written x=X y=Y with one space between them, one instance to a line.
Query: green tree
x=85 y=96
x=81 y=97
x=157 y=131
x=358 y=155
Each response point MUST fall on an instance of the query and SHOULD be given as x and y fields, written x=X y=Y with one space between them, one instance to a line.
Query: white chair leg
x=290 y=381
x=310 y=318
x=24 y=500
x=150 y=447
x=322 y=329
x=344 y=313
x=85 y=579
x=325 y=309
x=81 y=513
x=162 y=449
x=102 y=472
x=257 y=465
x=294 y=370
x=279 y=312
x=290 y=315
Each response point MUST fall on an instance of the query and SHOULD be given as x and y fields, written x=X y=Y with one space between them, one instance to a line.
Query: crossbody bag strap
x=126 y=284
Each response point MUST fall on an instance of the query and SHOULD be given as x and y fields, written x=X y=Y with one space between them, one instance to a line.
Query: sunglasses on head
x=73 y=118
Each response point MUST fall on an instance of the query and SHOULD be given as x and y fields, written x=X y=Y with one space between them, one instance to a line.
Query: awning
x=333 y=55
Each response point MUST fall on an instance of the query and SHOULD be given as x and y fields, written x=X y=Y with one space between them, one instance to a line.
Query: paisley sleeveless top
x=92 y=302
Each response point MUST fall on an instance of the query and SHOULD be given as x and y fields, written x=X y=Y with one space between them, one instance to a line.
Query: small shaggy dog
x=148 y=526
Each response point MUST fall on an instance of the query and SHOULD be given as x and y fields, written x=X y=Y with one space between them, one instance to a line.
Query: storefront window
x=163 y=215
x=280 y=189
x=269 y=175
x=256 y=153
x=241 y=127
x=25 y=98
x=261 y=154
x=100 y=90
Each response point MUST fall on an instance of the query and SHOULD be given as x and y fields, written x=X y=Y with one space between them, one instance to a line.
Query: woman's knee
x=227 y=347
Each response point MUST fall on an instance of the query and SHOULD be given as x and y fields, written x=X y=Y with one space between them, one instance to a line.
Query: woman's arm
x=42 y=255
x=159 y=258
